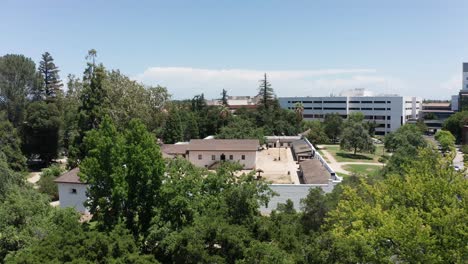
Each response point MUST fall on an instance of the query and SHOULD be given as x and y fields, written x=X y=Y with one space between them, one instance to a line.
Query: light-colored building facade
x=72 y=192
x=465 y=77
x=237 y=102
x=460 y=101
x=208 y=152
x=389 y=112
x=280 y=141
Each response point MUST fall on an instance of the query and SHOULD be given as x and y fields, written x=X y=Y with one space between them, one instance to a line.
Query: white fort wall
x=73 y=195
x=208 y=160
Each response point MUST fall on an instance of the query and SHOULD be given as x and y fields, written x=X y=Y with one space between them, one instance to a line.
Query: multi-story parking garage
x=389 y=112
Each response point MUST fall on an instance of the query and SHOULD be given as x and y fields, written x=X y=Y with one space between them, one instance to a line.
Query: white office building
x=388 y=111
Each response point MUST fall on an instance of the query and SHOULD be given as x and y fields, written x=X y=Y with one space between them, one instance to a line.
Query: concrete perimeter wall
x=294 y=192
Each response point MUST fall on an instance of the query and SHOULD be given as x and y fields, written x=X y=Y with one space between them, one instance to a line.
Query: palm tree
x=224 y=113
x=299 y=110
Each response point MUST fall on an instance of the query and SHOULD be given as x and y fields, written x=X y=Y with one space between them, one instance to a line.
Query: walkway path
x=338 y=166
x=34 y=177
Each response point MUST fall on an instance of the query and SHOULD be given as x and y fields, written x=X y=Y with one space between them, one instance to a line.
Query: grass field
x=360 y=169
x=346 y=156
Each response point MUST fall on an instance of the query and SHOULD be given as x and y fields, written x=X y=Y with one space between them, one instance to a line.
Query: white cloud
x=185 y=82
x=453 y=84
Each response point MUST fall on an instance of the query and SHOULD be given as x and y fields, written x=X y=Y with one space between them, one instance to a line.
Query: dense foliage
x=149 y=210
x=455 y=124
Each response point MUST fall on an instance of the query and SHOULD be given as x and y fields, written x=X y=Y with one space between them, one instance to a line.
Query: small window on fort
x=73 y=191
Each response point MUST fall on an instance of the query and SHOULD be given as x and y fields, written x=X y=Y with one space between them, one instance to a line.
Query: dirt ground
x=278 y=165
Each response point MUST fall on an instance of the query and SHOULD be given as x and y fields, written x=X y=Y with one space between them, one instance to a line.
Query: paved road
x=338 y=166
x=458 y=160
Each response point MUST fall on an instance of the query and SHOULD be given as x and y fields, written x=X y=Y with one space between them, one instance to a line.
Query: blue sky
x=307 y=47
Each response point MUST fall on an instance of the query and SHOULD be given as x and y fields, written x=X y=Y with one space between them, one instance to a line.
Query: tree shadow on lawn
x=352 y=156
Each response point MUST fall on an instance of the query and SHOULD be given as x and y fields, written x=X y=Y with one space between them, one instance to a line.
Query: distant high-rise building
x=463 y=94
x=389 y=112
x=465 y=76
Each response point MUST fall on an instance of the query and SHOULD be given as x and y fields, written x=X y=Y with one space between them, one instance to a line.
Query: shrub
x=384 y=158
x=46 y=183
x=464 y=149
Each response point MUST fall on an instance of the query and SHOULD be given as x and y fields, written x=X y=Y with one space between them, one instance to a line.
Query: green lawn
x=359 y=169
x=346 y=156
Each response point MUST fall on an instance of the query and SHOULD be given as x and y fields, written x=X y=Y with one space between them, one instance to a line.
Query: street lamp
x=279 y=146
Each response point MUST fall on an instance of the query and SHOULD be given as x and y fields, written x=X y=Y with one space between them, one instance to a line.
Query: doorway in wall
x=223 y=157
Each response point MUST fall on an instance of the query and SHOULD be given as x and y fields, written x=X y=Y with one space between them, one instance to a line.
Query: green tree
x=51 y=85
x=41 y=131
x=429 y=116
x=8 y=177
x=314 y=208
x=103 y=168
x=455 y=123
x=205 y=216
x=356 y=138
x=191 y=130
x=46 y=182
x=17 y=78
x=198 y=103
x=93 y=102
x=446 y=140
x=173 y=131
x=406 y=136
x=158 y=98
x=129 y=99
x=299 y=110
x=422 y=126
x=240 y=128
x=333 y=125
x=71 y=103
x=10 y=144
x=224 y=98
x=316 y=134
x=265 y=253
x=266 y=94
x=371 y=126
x=418 y=218
x=23 y=218
x=72 y=242
x=404 y=143
x=124 y=172
x=355 y=117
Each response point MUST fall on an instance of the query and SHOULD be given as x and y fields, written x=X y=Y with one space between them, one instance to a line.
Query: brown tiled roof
x=69 y=177
x=174 y=149
x=224 y=144
x=314 y=172
x=301 y=146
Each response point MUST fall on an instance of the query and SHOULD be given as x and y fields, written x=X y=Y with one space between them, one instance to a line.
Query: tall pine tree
x=92 y=105
x=50 y=84
x=224 y=98
x=266 y=94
